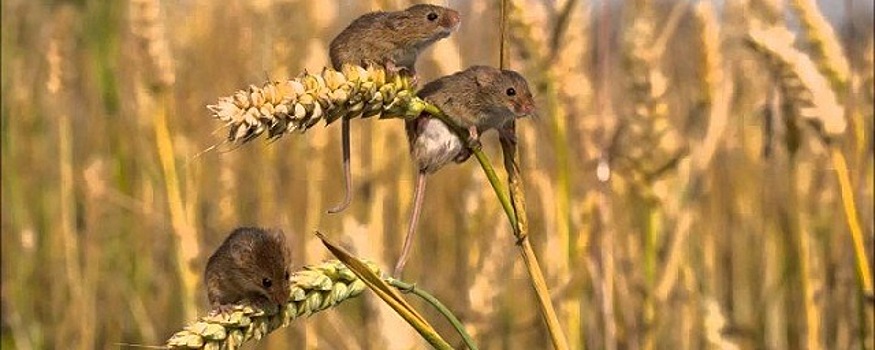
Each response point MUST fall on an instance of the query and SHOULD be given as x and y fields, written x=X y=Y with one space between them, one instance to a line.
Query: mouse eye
x=511 y=92
x=266 y=282
x=432 y=16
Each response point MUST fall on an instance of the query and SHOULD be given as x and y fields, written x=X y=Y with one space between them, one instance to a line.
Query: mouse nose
x=281 y=299
x=451 y=20
x=529 y=111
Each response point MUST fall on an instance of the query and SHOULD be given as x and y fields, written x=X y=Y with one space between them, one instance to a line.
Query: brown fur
x=237 y=270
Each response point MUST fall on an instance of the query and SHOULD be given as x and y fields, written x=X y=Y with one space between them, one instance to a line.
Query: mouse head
x=263 y=262
x=423 y=24
x=505 y=88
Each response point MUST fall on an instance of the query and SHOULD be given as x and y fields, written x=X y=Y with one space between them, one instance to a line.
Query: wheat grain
x=824 y=44
x=799 y=77
x=298 y=104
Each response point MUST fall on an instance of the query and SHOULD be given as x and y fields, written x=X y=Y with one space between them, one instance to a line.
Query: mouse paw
x=224 y=309
x=473 y=138
x=393 y=68
x=247 y=306
x=414 y=80
x=266 y=306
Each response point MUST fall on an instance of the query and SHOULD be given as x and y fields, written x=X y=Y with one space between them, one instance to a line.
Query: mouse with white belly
x=477 y=99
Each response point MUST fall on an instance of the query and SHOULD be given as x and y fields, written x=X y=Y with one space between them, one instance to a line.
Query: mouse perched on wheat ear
x=393 y=40
x=251 y=267
x=476 y=99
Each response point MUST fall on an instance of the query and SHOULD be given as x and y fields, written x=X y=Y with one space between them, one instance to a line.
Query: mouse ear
x=243 y=253
x=278 y=236
x=395 y=23
x=484 y=76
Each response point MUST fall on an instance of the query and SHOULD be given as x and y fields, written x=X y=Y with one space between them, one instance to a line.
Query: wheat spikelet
x=825 y=47
x=566 y=96
x=715 y=325
x=770 y=11
x=692 y=173
x=148 y=27
x=55 y=82
x=575 y=84
x=653 y=143
x=279 y=108
x=799 y=77
x=529 y=22
x=77 y=282
x=313 y=289
x=712 y=58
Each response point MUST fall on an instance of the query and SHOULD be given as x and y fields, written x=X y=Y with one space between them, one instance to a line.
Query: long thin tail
x=418 y=195
x=347 y=171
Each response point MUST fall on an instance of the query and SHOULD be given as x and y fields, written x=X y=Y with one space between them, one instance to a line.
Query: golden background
x=722 y=223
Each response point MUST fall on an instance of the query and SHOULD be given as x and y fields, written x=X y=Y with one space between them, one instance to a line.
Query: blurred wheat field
x=700 y=174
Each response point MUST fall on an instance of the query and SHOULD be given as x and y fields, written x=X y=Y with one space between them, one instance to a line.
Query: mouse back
x=397 y=36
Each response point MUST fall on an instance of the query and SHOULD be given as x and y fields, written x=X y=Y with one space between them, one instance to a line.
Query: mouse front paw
x=408 y=72
x=265 y=305
x=260 y=304
x=224 y=309
x=473 y=138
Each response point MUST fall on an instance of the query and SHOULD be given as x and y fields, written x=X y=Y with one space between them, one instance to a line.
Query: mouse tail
x=418 y=195
x=347 y=171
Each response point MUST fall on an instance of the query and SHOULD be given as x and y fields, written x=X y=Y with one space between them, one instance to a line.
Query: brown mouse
x=477 y=99
x=393 y=39
x=251 y=267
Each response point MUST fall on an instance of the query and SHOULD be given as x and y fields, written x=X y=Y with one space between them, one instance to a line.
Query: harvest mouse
x=477 y=99
x=394 y=40
x=250 y=267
